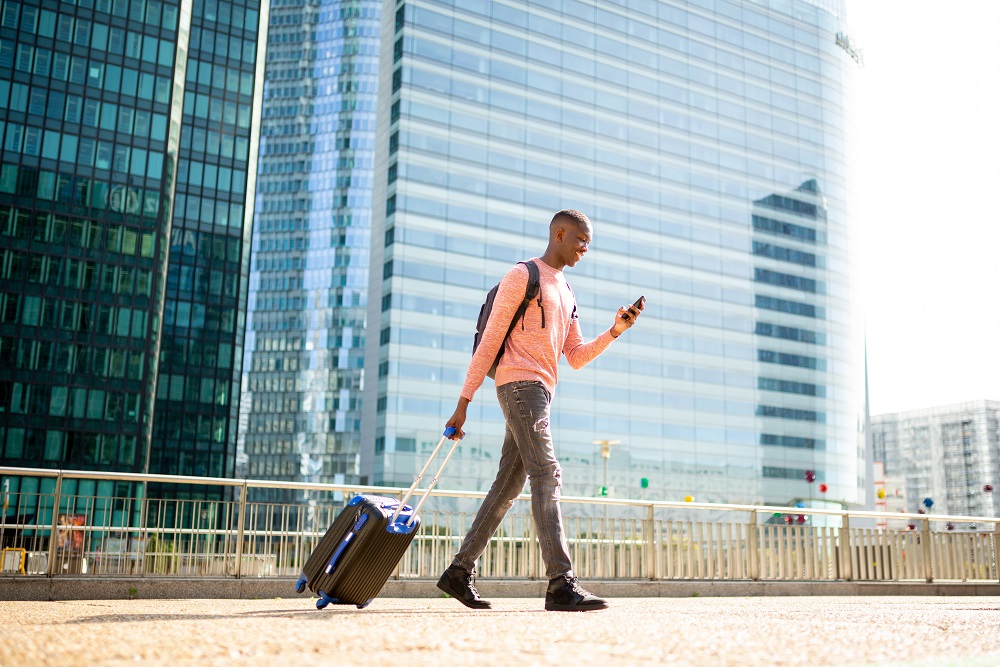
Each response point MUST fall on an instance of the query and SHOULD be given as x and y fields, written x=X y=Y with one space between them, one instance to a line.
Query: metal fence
x=45 y=533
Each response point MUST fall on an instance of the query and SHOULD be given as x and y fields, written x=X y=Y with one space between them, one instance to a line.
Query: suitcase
x=366 y=541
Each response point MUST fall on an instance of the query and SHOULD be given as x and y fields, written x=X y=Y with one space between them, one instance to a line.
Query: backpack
x=531 y=290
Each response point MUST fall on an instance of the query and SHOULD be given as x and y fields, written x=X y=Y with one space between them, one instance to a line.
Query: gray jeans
x=527 y=454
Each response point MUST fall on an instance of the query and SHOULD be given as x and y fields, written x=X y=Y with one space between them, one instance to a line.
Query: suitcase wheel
x=300 y=585
x=365 y=603
x=325 y=600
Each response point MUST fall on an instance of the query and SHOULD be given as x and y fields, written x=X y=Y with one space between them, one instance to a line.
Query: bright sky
x=928 y=169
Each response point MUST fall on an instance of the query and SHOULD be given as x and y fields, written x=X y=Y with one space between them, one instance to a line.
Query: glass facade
x=98 y=110
x=948 y=453
x=197 y=400
x=309 y=281
x=709 y=142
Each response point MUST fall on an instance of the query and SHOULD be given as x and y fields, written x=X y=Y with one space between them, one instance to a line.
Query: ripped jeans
x=527 y=454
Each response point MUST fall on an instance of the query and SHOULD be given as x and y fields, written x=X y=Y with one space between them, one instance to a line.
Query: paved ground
x=700 y=632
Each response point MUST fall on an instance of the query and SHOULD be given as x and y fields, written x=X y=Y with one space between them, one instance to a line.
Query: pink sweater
x=532 y=353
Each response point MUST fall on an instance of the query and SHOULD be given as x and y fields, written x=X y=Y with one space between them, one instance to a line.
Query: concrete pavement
x=698 y=632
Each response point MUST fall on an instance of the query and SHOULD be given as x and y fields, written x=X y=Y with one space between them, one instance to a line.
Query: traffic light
x=644 y=482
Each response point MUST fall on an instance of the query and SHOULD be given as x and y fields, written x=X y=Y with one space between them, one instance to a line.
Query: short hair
x=570 y=215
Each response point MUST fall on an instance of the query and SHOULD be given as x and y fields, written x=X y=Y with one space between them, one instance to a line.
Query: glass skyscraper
x=198 y=386
x=129 y=131
x=309 y=280
x=709 y=142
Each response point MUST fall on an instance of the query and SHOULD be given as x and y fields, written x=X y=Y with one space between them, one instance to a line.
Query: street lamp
x=606 y=455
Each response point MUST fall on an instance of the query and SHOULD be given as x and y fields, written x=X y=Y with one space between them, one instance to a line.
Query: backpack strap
x=573 y=315
x=531 y=290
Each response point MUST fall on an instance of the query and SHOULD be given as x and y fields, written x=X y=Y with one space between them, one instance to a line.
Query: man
x=525 y=379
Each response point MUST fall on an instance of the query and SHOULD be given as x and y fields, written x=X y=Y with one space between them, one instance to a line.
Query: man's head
x=570 y=234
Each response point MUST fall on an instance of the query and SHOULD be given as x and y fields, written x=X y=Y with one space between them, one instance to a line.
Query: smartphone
x=638 y=304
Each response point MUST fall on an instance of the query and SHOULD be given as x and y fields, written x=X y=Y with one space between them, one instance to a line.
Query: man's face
x=575 y=242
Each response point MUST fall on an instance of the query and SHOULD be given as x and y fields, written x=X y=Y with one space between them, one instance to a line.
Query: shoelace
x=470 y=582
x=574 y=584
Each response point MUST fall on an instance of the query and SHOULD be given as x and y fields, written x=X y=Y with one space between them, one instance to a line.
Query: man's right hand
x=457 y=420
x=627 y=316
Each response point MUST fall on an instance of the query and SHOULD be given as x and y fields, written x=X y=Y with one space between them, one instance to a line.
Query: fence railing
x=46 y=533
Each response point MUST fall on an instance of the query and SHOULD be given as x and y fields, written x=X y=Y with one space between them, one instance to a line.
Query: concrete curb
x=166 y=588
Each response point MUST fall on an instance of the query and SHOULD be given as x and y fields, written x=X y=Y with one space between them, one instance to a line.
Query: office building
x=309 y=284
x=710 y=144
x=949 y=454
x=129 y=139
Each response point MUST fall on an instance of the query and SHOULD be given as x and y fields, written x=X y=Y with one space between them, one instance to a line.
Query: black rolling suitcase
x=355 y=558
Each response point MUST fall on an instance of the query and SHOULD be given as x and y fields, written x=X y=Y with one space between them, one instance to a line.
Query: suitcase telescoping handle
x=448 y=432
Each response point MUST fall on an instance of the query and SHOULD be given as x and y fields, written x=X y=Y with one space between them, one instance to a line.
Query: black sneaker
x=461 y=585
x=566 y=594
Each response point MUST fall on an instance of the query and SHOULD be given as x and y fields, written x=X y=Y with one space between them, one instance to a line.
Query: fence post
x=650 y=540
x=142 y=540
x=753 y=548
x=846 y=565
x=397 y=572
x=239 y=529
x=532 y=548
x=996 y=544
x=925 y=535
x=54 y=535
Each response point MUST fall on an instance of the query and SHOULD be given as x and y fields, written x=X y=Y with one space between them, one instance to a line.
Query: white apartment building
x=949 y=454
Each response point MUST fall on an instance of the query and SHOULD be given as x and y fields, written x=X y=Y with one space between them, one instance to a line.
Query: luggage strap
x=448 y=432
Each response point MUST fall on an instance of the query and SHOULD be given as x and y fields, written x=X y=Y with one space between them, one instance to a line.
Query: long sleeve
x=579 y=353
x=535 y=345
